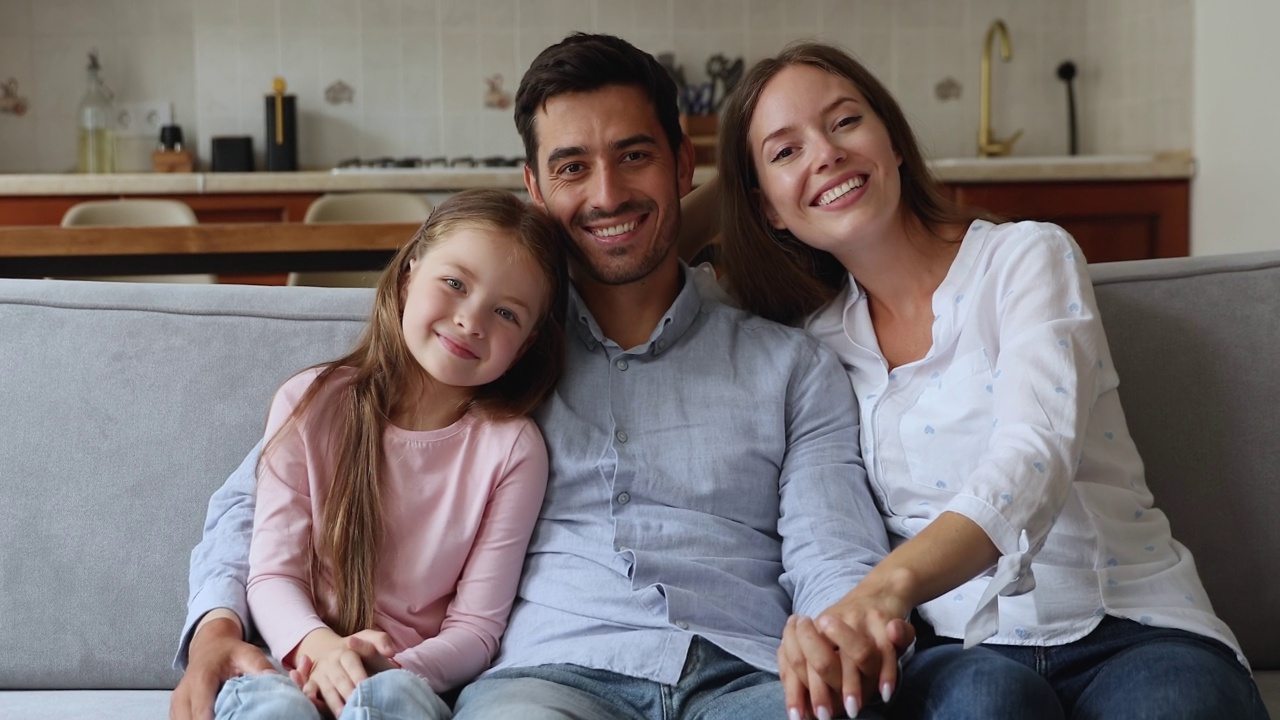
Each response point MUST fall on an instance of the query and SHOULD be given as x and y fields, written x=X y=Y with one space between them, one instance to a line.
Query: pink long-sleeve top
x=459 y=505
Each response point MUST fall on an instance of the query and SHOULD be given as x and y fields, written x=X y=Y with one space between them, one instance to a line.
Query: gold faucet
x=987 y=145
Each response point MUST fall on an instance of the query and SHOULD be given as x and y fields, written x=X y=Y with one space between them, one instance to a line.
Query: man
x=705 y=476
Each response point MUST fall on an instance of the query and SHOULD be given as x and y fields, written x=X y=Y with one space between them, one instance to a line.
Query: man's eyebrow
x=565 y=152
x=639 y=139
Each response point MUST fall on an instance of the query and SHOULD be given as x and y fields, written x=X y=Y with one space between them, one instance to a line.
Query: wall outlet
x=143 y=118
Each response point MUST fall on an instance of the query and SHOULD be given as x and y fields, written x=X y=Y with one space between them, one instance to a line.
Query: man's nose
x=608 y=190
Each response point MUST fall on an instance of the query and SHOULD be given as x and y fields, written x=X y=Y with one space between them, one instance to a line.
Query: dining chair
x=133 y=212
x=360 y=207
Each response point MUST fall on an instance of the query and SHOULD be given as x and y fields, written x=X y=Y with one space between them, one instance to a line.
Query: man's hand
x=217 y=654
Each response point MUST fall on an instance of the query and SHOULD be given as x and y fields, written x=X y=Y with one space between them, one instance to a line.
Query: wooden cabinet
x=228 y=208
x=1129 y=220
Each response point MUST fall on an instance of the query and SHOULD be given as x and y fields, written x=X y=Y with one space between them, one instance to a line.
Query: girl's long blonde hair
x=351 y=532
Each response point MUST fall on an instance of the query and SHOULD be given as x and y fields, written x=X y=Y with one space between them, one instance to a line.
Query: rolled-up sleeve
x=832 y=533
x=220 y=561
x=1044 y=385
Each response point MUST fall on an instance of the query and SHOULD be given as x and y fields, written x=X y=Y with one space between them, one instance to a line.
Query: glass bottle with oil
x=97 y=118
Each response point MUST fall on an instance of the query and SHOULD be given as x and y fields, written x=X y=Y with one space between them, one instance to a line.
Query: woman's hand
x=843 y=658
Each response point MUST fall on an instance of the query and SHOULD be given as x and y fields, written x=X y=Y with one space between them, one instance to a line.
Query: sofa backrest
x=124 y=407
x=1196 y=342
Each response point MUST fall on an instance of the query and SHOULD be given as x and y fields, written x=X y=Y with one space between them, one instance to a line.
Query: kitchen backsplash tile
x=419 y=69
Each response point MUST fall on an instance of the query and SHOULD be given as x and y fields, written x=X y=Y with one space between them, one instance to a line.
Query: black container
x=282 y=136
x=232 y=153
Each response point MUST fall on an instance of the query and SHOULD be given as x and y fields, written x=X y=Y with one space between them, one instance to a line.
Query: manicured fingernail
x=793 y=714
x=886 y=692
x=851 y=706
x=823 y=713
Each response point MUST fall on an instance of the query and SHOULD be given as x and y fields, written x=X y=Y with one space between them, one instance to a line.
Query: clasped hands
x=843 y=658
x=329 y=666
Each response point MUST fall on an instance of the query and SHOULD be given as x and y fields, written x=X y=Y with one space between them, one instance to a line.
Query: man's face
x=607 y=174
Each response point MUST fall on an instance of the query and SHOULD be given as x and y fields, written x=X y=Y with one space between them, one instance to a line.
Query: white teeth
x=615 y=230
x=839 y=191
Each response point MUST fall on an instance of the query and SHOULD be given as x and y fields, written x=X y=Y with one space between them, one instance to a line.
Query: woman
x=991 y=428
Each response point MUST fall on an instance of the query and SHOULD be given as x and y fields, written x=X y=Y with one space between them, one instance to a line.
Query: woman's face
x=828 y=171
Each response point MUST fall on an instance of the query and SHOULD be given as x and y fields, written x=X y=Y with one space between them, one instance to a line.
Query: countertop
x=948 y=170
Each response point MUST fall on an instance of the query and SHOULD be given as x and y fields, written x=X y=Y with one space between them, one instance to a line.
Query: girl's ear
x=404 y=283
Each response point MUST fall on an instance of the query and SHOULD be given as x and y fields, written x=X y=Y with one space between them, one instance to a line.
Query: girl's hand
x=301 y=677
x=335 y=670
x=375 y=649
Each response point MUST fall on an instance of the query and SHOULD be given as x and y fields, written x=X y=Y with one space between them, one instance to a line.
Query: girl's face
x=828 y=171
x=471 y=304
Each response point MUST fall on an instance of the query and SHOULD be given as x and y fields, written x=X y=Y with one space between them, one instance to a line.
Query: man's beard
x=629 y=268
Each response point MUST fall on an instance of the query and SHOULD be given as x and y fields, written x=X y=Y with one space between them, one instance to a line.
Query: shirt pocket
x=945 y=433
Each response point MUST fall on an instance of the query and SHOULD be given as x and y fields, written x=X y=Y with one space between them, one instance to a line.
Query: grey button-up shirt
x=702 y=483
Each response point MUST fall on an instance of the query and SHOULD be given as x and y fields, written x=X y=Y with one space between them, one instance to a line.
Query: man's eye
x=633 y=156
x=571 y=169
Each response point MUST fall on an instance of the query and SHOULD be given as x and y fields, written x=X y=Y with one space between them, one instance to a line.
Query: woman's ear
x=770 y=214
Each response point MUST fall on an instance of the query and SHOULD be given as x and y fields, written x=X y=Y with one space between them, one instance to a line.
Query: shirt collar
x=673 y=325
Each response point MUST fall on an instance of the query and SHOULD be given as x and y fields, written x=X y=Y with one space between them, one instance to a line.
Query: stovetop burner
x=465 y=161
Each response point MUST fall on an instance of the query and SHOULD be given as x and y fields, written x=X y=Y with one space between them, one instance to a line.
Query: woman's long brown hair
x=772 y=273
x=351 y=533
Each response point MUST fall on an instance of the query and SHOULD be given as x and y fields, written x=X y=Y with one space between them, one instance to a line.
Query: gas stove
x=417 y=164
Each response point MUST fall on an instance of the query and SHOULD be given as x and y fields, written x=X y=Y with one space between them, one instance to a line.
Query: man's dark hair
x=584 y=63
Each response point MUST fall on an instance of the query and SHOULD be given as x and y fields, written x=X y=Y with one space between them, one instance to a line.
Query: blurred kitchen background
x=419 y=70
x=424 y=78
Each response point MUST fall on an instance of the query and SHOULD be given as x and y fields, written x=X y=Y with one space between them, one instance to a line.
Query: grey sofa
x=126 y=405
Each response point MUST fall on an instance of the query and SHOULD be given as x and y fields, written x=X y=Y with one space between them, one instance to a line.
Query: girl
x=991 y=428
x=401 y=483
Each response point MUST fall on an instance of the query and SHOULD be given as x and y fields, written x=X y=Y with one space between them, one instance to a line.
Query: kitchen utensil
x=282 y=129
x=698 y=98
x=724 y=73
x=1067 y=73
x=232 y=153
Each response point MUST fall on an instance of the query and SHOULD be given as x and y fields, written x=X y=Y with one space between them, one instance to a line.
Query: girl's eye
x=454 y=283
x=506 y=314
x=783 y=154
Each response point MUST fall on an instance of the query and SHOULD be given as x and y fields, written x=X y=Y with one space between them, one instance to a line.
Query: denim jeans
x=714 y=685
x=1120 y=670
x=389 y=695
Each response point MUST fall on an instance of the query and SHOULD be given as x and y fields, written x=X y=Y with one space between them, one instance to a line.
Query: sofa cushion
x=125 y=406
x=1195 y=341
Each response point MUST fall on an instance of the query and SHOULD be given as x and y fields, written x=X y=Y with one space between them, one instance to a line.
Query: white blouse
x=1013 y=420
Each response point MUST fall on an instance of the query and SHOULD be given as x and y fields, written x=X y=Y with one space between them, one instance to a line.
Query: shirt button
x=623 y=498
x=622 y=364
x=682 y=625
x=622 y=437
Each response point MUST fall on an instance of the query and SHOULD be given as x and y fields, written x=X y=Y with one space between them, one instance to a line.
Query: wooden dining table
x=228 y=250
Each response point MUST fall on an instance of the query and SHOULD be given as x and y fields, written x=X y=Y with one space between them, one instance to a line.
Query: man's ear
x=531 y=184
x=685 y=161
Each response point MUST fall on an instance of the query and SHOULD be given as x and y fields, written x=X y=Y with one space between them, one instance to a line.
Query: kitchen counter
x=949 y=170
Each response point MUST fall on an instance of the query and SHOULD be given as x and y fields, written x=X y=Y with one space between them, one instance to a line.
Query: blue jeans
x=1120 y=670
x=389 y=695
x=714 y=685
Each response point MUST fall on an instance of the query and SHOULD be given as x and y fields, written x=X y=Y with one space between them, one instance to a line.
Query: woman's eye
x=850 y=120
x=454 y=283
x=783 y=154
